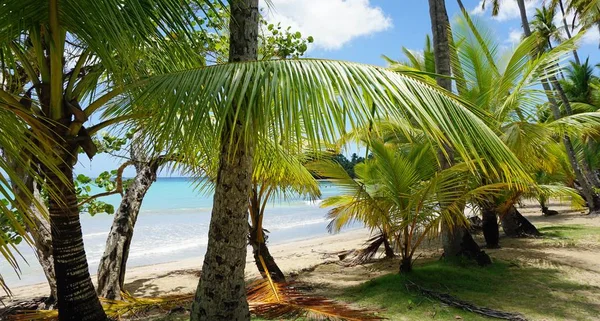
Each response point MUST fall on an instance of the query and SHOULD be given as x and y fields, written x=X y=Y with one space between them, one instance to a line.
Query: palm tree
x=401 y=192
x=590 y=195
x=71 y=52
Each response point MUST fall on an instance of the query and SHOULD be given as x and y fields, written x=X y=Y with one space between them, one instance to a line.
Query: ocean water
x=173 y=225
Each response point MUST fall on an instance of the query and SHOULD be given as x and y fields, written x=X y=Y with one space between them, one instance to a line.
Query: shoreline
x=181 y=276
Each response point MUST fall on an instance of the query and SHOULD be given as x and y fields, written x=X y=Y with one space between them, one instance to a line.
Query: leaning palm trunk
x=258 y=242
x=516 y=225
x=221 y=294
x=77 y=299
x=112 y=267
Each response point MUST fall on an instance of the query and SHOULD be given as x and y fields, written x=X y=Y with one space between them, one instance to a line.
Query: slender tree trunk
x=588 y=192
x=113 y=265
x=221 y=293
x=77 y=298
x=516 y=225
x=42 y=239
x=40 y=234
x=451 y=237
x=257 y=238
x=40 y=230
x=567 y=31
x=491 y=230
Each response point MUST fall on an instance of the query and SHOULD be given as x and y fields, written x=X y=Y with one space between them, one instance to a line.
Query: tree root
x=457 y=303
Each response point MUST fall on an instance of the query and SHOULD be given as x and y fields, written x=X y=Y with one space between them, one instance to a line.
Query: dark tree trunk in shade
x=389 y=251
x=77 y=299
x=405 y=265
x=491 y=229
x=516 y=225
x=113 y=264
x=221 y=293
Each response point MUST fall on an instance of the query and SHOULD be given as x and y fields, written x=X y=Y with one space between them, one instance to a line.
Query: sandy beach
x=181 y=277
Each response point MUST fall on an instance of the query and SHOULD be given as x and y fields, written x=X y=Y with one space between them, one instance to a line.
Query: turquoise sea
x=173 y=225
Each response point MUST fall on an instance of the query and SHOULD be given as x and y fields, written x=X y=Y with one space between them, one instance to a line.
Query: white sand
x=182 y=276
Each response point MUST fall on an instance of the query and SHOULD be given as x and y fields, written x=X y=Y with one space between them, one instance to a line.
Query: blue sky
x=363 y=30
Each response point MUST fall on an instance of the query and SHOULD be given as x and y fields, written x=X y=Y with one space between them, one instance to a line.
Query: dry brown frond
x=288 y=302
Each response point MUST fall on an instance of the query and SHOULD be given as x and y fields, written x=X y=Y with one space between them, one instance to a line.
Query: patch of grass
x=536 y=293
x=573 y=232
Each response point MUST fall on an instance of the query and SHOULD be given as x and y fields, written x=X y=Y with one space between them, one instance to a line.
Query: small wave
x=177 y=210
x=167 y=249
x=313 y=202
x=283 y=226
x=93 y=235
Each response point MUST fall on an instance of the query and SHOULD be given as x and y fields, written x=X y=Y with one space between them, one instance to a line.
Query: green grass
x=536 y=293
x=572 y=232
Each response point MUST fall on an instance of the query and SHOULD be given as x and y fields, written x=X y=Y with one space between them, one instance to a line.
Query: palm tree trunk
x=516 y=225
x=42 y=239
x=491 y=230
x=567 y=31
x=451 y=237
x=260 y=249
x=112 y=267
x=221 y=293
x=41 y=235
x=77 y=299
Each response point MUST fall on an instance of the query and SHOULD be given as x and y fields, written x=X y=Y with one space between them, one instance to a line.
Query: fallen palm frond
x=282 y=300
x=129 y=307
x=266 y=299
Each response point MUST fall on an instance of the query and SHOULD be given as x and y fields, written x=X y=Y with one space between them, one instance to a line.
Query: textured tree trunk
x=567 y=31
x=221 y=293
x=491 y=230
x=42 y=239
x=41 y=235
x=451 y=237
x=77 y=298
x=516 y=225
x=113 y=265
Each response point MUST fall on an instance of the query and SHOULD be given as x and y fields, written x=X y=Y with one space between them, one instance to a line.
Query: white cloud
x=590 y=37
x=509 y=9
x=332 y=23
x=515 y=36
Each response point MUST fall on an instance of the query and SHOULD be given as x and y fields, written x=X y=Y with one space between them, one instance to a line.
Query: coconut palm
x=550 y=84
x=72 y=54
x=440 y=26
x=403 y=193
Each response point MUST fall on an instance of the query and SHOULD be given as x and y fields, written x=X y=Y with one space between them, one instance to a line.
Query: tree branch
x=118 y=189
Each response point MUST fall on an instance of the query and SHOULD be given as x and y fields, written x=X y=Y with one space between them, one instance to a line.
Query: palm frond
x=316 y=101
